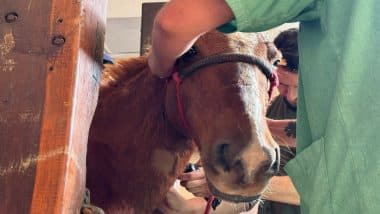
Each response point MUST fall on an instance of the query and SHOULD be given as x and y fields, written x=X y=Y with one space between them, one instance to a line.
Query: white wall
x=123 y=26
x=123 y=8
x=126 y=8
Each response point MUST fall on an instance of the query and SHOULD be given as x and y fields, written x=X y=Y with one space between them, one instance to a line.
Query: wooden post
x=50 y=66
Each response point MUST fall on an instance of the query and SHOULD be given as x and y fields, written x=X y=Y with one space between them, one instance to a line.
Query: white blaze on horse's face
x=225 y=106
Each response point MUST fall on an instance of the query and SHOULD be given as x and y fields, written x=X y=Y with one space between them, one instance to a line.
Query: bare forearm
x=281 y=189
x=178 y=25
x=166 y=48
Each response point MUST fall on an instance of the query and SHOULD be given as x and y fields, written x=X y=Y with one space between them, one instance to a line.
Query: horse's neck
x=144 y=148
x=135 y=105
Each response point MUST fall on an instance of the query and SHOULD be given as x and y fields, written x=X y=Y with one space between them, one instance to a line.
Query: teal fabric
x=337 y=167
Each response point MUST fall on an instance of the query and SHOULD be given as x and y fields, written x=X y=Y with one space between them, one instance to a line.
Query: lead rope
x=209 y=204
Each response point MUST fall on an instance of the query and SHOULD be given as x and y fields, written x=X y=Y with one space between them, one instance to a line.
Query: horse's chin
x=230 y=197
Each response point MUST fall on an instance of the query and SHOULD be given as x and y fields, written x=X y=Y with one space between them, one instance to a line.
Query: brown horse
x=138 y=143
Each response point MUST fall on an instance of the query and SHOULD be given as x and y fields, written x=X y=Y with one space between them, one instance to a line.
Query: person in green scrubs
x=337 y=166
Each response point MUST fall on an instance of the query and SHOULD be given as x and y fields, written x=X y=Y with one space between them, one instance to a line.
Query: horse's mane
x=123 y=71
x=130 y=80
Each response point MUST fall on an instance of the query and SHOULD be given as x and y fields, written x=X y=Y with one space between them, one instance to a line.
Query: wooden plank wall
x=50 y=54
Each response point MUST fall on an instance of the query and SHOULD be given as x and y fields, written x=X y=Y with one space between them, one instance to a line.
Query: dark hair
x=287 y=43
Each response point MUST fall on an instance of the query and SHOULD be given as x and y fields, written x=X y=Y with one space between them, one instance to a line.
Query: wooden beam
x=50 y=66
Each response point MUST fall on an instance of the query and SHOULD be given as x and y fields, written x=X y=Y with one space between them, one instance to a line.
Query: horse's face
x=225 y=107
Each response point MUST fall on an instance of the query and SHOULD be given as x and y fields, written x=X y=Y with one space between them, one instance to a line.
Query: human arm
x=180 y=22
x=176 y=203
x=283 y=131
x=281 y=189
x=177 y=26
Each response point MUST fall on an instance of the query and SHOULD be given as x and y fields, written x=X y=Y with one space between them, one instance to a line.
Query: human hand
x=175 y=203
x=159 y=67
x=195 y=182
x=171 y=38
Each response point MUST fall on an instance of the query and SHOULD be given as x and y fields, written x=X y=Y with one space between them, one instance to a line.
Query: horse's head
x=224 y=106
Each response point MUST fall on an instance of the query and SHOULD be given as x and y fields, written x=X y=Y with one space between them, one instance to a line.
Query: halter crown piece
x=179 y=75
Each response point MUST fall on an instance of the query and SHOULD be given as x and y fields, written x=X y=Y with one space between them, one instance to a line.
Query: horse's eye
x=190 y=53
x=276 y=62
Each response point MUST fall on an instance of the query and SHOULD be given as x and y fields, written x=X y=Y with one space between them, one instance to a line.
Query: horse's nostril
x=222 y=152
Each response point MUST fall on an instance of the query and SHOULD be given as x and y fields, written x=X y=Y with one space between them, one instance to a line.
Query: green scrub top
x=337 y=166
